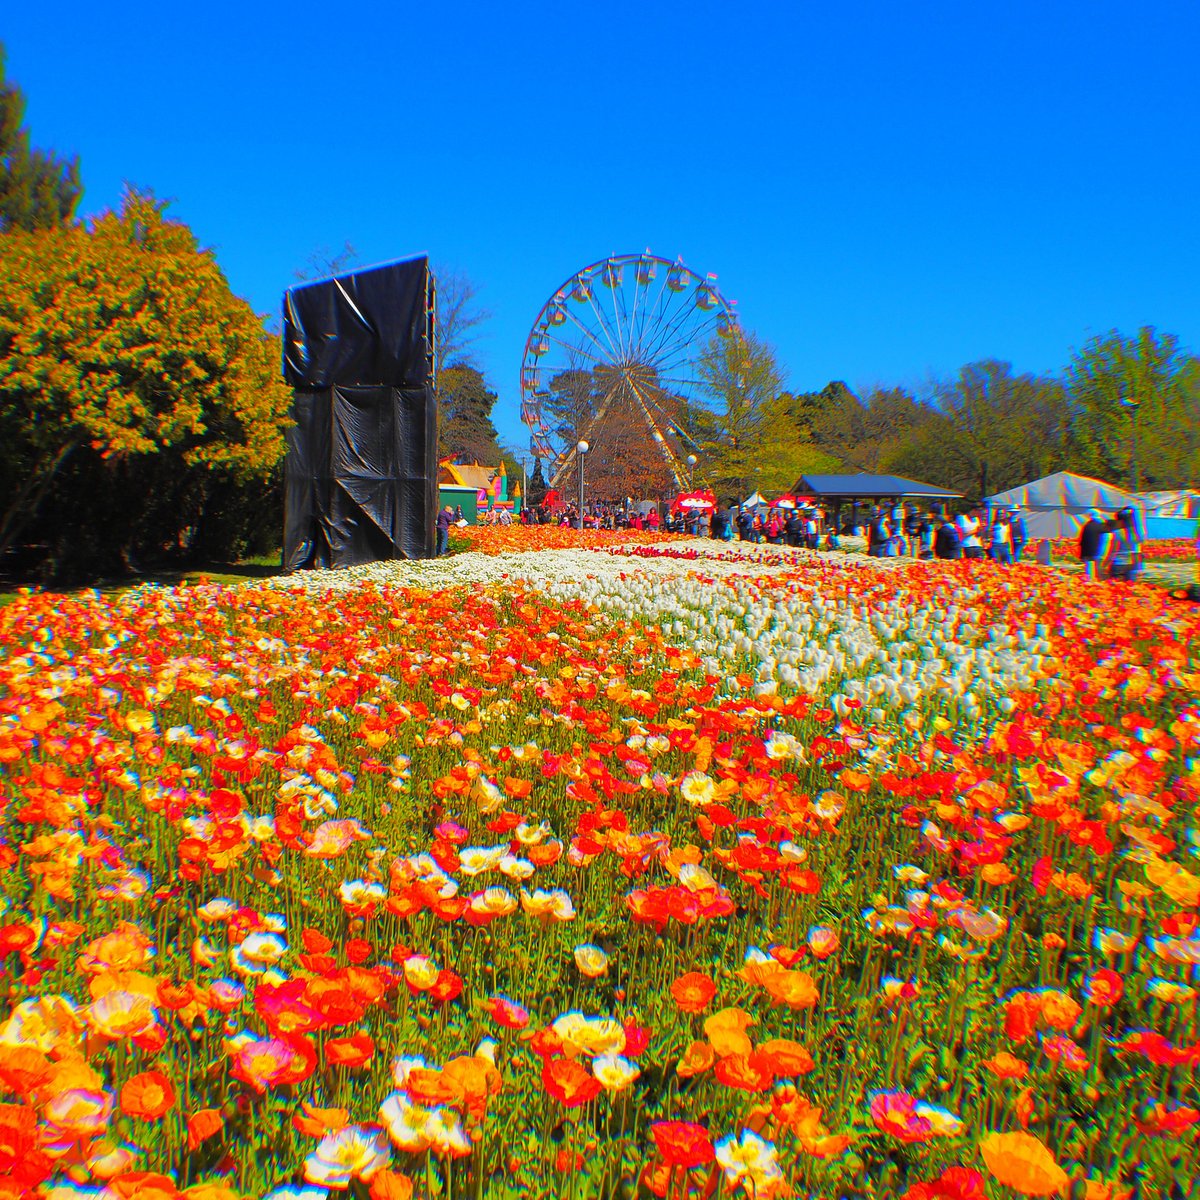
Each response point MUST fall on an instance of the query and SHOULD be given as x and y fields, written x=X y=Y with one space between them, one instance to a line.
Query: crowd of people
x=1109 y=547
x=1000 y=535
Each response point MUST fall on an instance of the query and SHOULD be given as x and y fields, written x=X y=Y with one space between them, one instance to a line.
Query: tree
x=572 y=399
x=459 y=317
x=121 y=344
x=1154 y=372
x=999 y=430
x=324 y=264
x=465 y=429
x=37 y=190
x=537 y=485
x=741 y=378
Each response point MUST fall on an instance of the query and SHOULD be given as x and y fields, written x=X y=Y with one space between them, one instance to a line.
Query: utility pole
x=1133 y=404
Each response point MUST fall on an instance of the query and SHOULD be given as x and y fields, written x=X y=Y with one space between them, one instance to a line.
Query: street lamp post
x=1133 y=404
x=581 y=449
x=691 y=465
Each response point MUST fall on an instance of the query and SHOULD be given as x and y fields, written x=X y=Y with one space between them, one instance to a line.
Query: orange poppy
x=1022 y=1162
x=787 y=1058
x=697 y=1059
x=203 y=1125
x=354 y=1051
x=726 y=1031
x=752 y=1072
x=317 y=1122
x=693 y=992
x=431 y=1088
x=391 y=1185
x=1006 y=1066
x=796 y=989
x=144 y=1185
x=148 y=1096
x=23 y=1069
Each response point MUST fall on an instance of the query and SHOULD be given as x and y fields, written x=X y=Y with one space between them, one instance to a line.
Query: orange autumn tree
x=123 y=350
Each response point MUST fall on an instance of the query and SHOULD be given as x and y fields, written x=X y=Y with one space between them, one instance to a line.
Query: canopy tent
x=1171 y=514
x=1180 y=503
x=754 y=501
x=1057 y=506
x=870 y=487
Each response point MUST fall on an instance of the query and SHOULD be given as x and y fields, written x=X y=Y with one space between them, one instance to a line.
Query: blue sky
x=889 y=190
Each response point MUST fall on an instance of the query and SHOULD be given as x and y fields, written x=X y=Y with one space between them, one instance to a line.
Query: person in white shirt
x=968 y=525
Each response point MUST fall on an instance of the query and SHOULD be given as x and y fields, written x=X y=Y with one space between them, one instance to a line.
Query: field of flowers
x=671 y=869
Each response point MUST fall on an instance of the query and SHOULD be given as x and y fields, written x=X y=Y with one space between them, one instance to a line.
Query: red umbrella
x=694 y=500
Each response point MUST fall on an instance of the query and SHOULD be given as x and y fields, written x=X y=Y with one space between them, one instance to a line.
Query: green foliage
x=138 y=395
x=465 y=424
x=742 y=379
x=37 y=190
x=755 y=436
x=1149 y=371
x=991 y=428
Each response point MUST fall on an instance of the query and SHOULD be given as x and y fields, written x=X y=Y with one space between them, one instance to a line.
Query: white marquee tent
x=1057 y=506
x=1171 y=514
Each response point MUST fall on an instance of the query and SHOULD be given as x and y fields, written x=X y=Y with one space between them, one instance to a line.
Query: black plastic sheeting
x=361 y=469
x=369 y=327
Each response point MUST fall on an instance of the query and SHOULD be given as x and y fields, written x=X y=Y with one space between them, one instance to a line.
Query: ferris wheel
x=613 y=358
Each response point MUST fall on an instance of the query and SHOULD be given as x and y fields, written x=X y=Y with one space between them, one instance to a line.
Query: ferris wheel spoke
x=616 y=290
x=672 y=326
x=613 y=344
x=606 y=351
x=670 y=364
x=633 y=320
x=683 y=340
x=663 y=291
x=571 y=348
x=666 y=339
x=659 y=380
x=662 y=317
x=668 y=453
x=662 y=312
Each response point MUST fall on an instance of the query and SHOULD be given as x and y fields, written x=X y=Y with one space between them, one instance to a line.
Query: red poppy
x=682 y=1144
x=358 y=950
x=568 y=1083
x=637 y=1038
x=447 y=987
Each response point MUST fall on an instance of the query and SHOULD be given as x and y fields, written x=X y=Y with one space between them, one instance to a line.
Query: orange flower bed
x=508 y=539
x=663 y=878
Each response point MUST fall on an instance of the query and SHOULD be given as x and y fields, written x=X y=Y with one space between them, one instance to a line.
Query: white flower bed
x=772 y=612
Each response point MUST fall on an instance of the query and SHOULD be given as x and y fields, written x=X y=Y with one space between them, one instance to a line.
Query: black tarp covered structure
x=361 y=468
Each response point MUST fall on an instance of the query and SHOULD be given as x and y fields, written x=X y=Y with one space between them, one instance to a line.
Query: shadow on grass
x=263 y=567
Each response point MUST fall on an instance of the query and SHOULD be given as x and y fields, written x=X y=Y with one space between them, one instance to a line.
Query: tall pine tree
x=466 y=401
x=37 y=189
